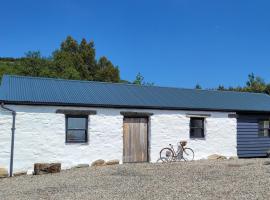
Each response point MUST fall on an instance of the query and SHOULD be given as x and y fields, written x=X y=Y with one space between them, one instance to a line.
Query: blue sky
x=172 y=43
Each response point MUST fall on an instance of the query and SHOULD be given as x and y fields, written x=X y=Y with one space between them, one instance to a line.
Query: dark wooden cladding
x=135 y=140
x=232 y=115
x=76 y=112
x=197 y=115
x=135 y=114
x=249 y=143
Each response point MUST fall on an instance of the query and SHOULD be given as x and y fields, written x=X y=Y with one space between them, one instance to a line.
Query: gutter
x=13 y=112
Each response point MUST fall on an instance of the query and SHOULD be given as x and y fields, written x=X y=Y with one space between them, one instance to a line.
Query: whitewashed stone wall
x=40 y=136
x=168 y=127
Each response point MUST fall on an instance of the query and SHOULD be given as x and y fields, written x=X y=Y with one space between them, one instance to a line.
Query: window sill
x=197 y=138
x=73 y=143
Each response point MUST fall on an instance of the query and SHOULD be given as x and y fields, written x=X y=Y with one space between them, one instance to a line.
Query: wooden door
x=135 y=140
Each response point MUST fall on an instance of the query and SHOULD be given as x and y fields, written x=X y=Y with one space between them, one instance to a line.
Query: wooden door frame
x=138 y=115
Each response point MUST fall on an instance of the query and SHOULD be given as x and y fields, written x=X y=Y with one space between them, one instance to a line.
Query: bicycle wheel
x=166 y=155
x=188 y=154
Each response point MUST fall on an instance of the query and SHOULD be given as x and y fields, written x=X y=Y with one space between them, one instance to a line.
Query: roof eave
x=129 y=106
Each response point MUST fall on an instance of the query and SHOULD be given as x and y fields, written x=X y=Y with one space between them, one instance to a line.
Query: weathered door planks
x=135 y=139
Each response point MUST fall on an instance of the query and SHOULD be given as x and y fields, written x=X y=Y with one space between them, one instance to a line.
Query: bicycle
x=168 y=154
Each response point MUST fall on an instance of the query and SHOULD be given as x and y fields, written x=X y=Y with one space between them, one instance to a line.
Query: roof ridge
x=133 y=85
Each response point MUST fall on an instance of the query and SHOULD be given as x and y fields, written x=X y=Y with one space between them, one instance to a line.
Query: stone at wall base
x=97 y=163
x=20 y=173
x=266 y=163
x=82 y=166
x=3 y=173
x=216 y=157
x=112 y=162
x=46 y=168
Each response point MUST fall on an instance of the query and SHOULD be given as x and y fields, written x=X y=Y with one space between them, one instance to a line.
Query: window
x=264 y=128
x=76 y=129
x=196 y=127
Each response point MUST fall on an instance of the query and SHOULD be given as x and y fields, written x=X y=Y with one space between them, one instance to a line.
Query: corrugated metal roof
x=35 y=90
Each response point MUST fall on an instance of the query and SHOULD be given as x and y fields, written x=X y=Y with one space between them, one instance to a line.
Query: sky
x=176 y=43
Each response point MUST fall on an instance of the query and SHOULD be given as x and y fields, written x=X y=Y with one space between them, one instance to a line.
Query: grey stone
x=266 y=163
x=82 y=166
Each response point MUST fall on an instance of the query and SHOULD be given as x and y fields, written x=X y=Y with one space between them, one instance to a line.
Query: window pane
x=76 y=123
x=196 y=132
x=264 y=124
x=196 y=122
x=264 y=127
x=263 y=132
x=76 y=136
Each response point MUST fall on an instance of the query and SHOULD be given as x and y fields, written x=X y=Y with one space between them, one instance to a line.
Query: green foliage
x=75 y=60
x=72 y=60
x=106 y=71
x=8 y=68
x=139 y=80
x=221 y=87
x=33 y=64
x=253 y=84
x=198 y=86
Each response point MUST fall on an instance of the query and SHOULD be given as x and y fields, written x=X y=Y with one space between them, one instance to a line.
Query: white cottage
x=74 y=122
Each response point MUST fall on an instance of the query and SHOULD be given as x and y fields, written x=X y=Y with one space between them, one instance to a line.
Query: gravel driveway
x=230 y=179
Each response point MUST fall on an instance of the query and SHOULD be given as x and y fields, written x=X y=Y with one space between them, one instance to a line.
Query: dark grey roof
x=47 y=91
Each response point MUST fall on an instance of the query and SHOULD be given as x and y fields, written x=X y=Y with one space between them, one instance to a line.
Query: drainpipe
x=12 y=137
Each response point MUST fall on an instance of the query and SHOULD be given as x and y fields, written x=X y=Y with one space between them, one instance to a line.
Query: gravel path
x=230 y=179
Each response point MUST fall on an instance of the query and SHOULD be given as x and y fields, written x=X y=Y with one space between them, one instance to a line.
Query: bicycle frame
x=177 y=155
x=170 y=154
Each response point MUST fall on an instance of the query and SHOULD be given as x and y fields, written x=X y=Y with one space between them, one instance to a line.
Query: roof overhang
x=130 y=107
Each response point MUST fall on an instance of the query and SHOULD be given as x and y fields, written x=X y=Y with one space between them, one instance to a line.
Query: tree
x=106 y=71
x=69 y=60
x=63 y=66
x=267 y=89
x=72 y=60
x=88 y=53
x=69 y=45
x=198 y=87
x=139 y=80
x=8 y=68
x=253 y=84
x=221 y=87
x=79 y=59
x=33 y=64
